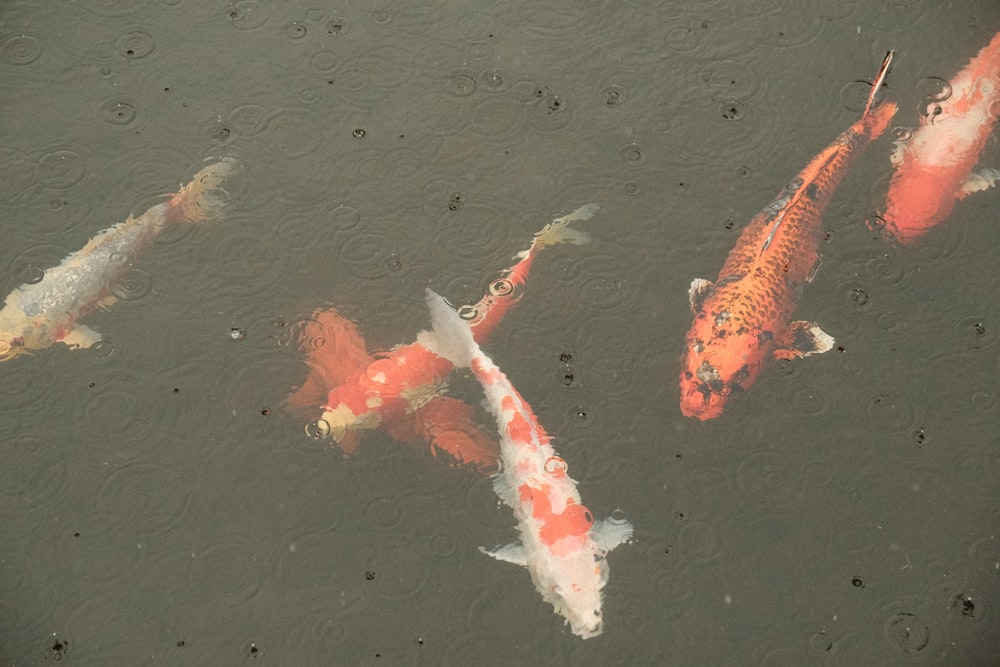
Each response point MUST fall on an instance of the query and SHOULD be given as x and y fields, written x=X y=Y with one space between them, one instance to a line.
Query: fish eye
x=501 y=287
x=468 y=312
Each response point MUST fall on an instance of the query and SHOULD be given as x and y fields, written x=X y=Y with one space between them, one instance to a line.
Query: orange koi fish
x=39 y=315
x=936 y=165
x=401 y=390
x=743 y=320
x=561 y=545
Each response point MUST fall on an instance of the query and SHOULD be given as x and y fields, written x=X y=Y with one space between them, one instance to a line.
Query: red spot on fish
x=574 y=521
x=519 y=429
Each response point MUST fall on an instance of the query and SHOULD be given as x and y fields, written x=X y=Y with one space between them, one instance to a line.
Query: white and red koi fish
x=936 y=165
x=401 y=390
x=39 y=315
x=562 y=546
x=743 y=320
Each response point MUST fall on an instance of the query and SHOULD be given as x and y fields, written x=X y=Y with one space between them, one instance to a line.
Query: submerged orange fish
x=936 y=165
x=349 y=391
x=743 y=320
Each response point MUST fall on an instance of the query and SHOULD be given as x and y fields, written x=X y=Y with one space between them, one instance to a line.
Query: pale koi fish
x=351 y=391
x=937 y=164
x=561 y=545
x=39 y=315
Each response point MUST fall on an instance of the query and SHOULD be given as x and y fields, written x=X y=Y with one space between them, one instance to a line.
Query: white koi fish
x=937 y=165
x=562 y=546
x=39 y=315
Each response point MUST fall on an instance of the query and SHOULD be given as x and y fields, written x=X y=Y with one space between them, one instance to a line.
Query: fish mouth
x=585 y=630
x=704 y=393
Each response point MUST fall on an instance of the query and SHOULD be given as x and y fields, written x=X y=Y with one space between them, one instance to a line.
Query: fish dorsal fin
x=698 y=292
x=511 y=553
x=776 y=209
x=793 y=192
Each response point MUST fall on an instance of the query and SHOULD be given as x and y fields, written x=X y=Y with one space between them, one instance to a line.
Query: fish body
x=38 y=315
x=743 y=320
x=561 y=545
x=936 y=165
x=400 y=390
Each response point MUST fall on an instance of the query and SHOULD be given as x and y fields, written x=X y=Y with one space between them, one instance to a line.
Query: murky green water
x=157 y=502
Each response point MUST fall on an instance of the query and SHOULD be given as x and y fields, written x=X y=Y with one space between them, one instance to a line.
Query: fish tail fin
x=874 y=98
x=451 y=336
x=559 y=230
x=203 y=198
x=334 y=351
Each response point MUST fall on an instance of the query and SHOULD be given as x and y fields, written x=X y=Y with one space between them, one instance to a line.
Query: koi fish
x=401 y=390
x=39 y=315
x=742 y=321
x=562 y=546
x=936 y=165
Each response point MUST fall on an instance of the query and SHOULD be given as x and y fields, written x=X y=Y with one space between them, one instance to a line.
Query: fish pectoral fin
x=977 y=181
x=698 y=292
x=81 y=336
x=610 y=533
x=512 y=553
x=800 y=339
x=106 y=302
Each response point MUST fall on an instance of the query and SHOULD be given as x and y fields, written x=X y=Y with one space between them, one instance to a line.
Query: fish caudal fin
x=883 y=72
x=334 y=352
x=451 y=337
x=559 y=231
x=204 y=197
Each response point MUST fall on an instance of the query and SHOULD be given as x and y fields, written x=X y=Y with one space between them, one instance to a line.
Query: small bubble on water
x=821 y=641
x=902 y=133
x=337 y=27
x=733 y=111
x=32 y=275
x=319 y=429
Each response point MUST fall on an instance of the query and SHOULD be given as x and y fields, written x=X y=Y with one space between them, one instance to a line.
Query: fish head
x=338 y=420
x=572 y=585
x=717 y=366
